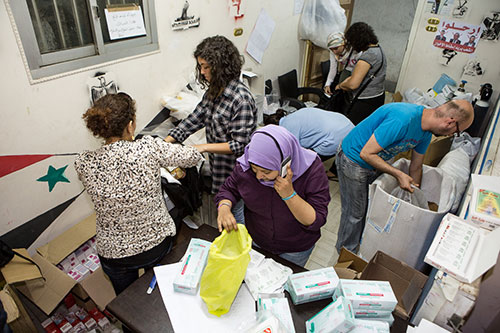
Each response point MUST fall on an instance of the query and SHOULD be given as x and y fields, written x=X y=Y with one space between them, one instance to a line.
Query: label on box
x=312 y=285
x=193 y=263
x=485 y=201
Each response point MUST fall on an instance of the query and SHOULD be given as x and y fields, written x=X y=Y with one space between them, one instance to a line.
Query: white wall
x=391 y=21
x=45 y=118
x=420 y=66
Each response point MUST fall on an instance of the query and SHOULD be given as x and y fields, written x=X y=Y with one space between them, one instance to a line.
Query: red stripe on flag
x=12 y=163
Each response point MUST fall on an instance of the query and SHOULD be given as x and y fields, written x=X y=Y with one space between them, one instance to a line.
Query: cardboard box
x=406 y=282
x=389 y=319
x=48 y=293
x=370 y=326
x=349 y=265
x=312 y=285
x=336 y=317
x=369 y=296
x=395 y=226
x=463 y=249
x=438 y=147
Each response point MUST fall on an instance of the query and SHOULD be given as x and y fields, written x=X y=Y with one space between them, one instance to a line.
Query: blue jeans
x=298 y=258
x=239 y=212
x=353 y=182
x=123 y=276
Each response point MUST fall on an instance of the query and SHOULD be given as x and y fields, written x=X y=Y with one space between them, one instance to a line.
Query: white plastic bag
x=417 y=198
x=457 y=165
x=319 y=19
x=469 y=144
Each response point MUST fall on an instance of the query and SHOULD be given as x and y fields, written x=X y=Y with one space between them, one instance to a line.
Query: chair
x=290 y=91
x=325 y=69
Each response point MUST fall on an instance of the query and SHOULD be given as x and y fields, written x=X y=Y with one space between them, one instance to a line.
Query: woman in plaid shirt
x=227 y=109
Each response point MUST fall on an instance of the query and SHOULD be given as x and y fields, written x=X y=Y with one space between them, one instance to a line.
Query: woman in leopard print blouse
x=134 y=229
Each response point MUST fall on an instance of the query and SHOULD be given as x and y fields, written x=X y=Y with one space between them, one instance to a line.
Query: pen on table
x=152 y=285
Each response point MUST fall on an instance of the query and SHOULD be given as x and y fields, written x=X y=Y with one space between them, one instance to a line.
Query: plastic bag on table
x=319 y=19
x=226 y=267
x=417 y=198
x=182 y=104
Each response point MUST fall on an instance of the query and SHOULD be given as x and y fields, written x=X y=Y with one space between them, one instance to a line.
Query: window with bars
x=64 y=35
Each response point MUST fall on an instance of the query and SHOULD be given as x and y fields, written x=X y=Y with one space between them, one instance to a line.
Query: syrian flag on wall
x=34 y=191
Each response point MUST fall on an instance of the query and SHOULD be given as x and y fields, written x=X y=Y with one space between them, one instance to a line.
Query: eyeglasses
x=457 y=132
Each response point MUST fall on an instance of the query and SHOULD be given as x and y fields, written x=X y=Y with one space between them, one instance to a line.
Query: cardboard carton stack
x=81 y=263
x=312 y=285
x=48 y=293
x=70 y=318
x=369 y=299
x=337 y=317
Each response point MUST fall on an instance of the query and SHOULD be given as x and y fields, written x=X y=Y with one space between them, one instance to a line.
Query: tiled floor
x=324 y=253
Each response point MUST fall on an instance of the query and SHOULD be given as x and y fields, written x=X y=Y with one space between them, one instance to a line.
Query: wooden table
x=146 y=313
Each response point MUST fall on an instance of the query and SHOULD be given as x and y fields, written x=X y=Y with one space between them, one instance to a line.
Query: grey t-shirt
x=373 y=56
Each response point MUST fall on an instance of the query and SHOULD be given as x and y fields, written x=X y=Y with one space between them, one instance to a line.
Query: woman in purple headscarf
x=282 y=214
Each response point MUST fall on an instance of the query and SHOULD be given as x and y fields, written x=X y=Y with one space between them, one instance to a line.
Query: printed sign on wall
x=457 y=36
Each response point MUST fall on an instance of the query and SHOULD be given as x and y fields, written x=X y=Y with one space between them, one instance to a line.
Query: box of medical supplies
x=369 y=296
x=370 y=326
x=312 y=285
x=193 y=263
x=336 y=317
x=389 y=319
x=47 y=293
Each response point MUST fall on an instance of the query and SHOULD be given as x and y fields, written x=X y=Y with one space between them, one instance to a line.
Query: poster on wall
x=185 y=21
x=440 y=7
x=474 y=68
x=491 y=26
x=457 y=36
x=461 y=9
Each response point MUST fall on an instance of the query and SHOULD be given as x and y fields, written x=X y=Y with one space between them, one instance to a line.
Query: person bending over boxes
x=393 y=128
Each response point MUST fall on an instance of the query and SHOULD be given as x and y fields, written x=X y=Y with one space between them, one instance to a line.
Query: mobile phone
x=286 y=162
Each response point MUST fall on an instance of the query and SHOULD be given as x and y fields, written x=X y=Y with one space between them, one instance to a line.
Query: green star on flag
x=54 y=176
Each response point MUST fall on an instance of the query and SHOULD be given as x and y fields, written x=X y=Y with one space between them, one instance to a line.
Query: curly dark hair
x=360 y=35
x=225 y=63
x=274 y=119
x=110 y=115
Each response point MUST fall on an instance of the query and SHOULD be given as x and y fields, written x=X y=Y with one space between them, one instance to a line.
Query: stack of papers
x=265 y=275
x=463 y=249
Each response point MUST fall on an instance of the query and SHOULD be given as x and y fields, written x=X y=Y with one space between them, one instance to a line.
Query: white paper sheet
x=267 y=277
x=125 y=23
x=189 y=313
x=261 y=36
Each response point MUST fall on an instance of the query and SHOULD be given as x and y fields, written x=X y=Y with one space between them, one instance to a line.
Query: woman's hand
x=284 y=186
x=327 y=90
x=225 y=219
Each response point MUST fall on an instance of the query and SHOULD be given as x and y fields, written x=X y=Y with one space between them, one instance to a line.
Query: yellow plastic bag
x=227 y=263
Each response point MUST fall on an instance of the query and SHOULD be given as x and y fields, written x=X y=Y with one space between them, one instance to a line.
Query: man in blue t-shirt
x=391 y=129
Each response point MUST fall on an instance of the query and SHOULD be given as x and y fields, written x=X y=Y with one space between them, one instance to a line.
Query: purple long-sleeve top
x=267 y=217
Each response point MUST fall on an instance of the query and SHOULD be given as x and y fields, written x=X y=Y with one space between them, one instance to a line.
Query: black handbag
x=6 y=255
